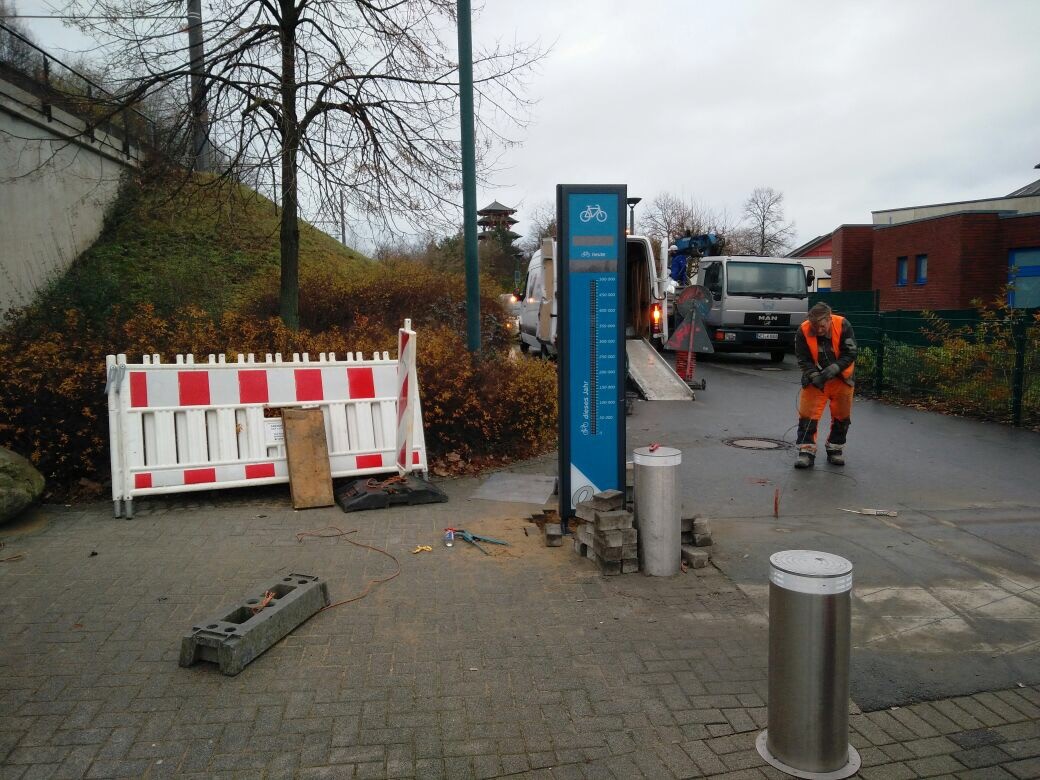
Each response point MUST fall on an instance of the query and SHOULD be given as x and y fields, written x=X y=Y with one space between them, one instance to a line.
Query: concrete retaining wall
x=55 y=188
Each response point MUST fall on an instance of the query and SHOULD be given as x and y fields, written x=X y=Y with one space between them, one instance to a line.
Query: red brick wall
x=851 y=247
x=967 y=259
x=984 y=261
x=1021 y=232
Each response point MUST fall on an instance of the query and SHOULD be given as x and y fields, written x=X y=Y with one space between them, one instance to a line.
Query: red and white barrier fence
x=183 y=426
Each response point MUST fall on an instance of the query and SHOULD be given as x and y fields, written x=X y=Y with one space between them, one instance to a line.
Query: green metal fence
x=965 y=362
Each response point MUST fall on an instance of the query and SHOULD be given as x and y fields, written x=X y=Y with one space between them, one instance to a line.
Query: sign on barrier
x=184 y=426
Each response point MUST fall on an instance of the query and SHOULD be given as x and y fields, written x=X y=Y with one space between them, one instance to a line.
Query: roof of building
x=1029 y=189
x=809 y=245
x=496 y=206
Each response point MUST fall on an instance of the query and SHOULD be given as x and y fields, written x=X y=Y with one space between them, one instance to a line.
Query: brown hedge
x=53 y=409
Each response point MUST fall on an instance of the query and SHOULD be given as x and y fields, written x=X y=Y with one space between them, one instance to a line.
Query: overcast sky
x=844 y=107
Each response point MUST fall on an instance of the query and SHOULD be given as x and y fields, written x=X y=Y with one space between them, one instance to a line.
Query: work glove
x=812 y=378
x=831 y=371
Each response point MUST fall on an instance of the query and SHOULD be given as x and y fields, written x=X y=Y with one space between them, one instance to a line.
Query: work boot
x=835 y=456
x=805 y=460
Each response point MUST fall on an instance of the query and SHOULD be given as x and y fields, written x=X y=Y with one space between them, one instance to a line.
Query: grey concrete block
x=553 y=534
x=629 y=565
x=702 y=540
x=606 y=552
x=608 y=500
x=610 y=568
x=580 y=547
x=686 y=526
x=617 y=537
x=701 y=525
x=695 y=557
x=238 y=634
x=586 y=511
x=629 y=551
x=613 y=520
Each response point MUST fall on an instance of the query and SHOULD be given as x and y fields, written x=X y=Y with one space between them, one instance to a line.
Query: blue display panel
x=592 y=341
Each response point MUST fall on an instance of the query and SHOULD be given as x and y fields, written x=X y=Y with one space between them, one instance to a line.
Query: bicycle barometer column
x=591 y=263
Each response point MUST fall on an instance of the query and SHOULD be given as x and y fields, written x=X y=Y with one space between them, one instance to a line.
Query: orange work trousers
x=811 y=403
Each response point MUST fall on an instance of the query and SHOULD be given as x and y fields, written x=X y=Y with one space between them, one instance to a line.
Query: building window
x=1024 y=278
x=921 y=269
x=901 y=271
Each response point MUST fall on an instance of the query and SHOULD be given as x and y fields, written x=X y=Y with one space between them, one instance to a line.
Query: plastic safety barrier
x=184 y=426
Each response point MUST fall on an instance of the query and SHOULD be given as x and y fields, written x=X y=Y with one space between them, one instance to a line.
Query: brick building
x=940 y=256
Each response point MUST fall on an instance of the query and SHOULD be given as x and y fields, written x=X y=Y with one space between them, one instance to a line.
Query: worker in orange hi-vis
x=825 y=348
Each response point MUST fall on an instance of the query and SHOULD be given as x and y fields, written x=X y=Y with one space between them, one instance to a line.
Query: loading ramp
x=653 y=375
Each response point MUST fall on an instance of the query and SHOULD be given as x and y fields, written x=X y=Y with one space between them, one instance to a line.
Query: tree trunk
x=289 y=291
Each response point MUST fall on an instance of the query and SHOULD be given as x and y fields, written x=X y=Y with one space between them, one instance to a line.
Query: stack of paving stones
x=696 y=541
x=605 y=533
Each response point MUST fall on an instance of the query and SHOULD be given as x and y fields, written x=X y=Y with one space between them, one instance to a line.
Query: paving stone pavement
x=524 y=663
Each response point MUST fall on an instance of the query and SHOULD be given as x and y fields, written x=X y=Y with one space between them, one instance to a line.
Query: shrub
x=383 y=294
x=54 y=411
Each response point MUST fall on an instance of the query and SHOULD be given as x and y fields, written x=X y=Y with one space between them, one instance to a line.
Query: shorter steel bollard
x=658 y=506
x=810 y=627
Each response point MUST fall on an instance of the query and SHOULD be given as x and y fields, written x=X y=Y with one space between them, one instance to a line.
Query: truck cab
x=646 y=287
x=758 y=303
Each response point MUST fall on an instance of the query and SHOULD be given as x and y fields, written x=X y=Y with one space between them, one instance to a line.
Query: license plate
x=767 y=336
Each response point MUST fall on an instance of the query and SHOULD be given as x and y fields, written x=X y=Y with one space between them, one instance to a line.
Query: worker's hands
x=831 y=371
x=819 y=380
x=812 y=378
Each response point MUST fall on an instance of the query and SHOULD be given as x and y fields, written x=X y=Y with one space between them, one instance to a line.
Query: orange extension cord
x=340 y=532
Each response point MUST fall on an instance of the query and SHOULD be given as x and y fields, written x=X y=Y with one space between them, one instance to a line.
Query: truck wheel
x=524 y=346
x=777 y=356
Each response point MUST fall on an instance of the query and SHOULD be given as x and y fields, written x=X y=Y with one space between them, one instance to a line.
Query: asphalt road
x=947 y=593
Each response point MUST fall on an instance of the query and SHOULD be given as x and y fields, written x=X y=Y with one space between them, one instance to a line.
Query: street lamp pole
x=632 y=214
x=469 y=177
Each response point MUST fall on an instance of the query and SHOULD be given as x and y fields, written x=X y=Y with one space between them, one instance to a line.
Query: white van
x=759 y=303
x=645 y=295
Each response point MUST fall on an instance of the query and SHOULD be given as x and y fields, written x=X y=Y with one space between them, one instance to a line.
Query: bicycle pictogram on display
x=593 y=212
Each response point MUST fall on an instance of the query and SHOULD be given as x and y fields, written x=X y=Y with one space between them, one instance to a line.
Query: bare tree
x=541 y=224
x=769 y=234
x=315 y=98
x=668 y=216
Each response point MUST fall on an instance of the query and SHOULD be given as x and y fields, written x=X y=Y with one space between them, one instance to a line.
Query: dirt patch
x=525 y=543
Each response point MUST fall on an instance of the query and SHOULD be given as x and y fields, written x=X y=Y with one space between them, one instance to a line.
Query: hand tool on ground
x=466 y=536
x=422 y=548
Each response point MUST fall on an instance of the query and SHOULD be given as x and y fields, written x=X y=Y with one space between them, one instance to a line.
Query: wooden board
x=310 y=475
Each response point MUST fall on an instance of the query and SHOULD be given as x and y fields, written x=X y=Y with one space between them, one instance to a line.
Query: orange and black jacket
x=815 y=354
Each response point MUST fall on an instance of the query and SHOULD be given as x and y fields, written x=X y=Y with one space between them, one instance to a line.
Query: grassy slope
x=170 y=246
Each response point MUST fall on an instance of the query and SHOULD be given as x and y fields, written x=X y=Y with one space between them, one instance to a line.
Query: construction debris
x=873 y=512
x=696 y=541
x=606 y=534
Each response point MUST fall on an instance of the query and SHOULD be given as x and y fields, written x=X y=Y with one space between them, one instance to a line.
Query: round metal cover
x=756 y=444
x=810 y=563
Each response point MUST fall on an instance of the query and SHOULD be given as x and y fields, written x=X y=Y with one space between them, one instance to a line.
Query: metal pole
x=342 y=220
x=469 y=178
x=810 y=628
x=199 y=118
x=632 y=220
x=658 y=510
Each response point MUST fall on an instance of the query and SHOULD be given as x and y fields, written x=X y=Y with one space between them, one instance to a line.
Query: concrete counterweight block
x=243 y=631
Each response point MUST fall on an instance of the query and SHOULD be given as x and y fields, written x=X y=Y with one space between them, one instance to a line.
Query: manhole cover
x=756 y=444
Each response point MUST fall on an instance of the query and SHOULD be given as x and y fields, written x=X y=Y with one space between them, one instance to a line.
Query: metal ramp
x=655 y=378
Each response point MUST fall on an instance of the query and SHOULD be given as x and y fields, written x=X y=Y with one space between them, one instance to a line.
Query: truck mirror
x=810 y=275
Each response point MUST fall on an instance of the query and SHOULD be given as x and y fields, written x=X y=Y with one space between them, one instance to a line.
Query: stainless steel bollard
x=810 y=626
x=658 y=509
